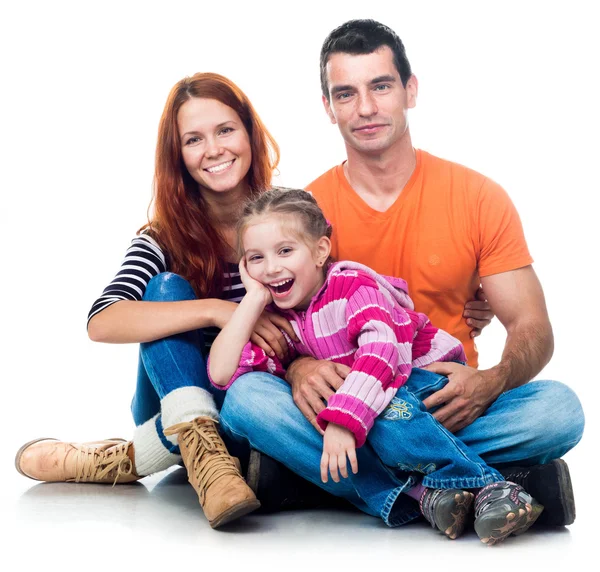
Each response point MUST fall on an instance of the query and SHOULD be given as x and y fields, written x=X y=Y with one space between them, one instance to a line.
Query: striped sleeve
x=144 y=259
x=383 y=333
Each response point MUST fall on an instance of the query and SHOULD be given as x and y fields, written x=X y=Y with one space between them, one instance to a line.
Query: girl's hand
x=254 y=287
x=267 y=332
x=338 y=443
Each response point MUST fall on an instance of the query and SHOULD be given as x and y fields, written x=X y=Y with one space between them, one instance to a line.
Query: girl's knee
x=253 y=399
x=168 y=287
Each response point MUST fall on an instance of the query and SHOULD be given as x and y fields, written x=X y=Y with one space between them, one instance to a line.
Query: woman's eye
x=192 y=140
x=225 y=130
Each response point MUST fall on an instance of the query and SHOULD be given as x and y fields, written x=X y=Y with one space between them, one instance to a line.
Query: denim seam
x=452 y=440
x=389 y=504
x=461 y=483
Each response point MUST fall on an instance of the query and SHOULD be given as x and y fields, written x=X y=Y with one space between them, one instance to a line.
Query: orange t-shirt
x=449 y=226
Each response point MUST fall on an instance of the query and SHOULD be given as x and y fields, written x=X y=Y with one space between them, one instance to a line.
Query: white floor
x=157 y=522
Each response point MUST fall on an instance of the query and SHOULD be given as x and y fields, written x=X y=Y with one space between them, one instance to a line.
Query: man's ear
x=322 y=250
x=412 y=89
x=328 y=110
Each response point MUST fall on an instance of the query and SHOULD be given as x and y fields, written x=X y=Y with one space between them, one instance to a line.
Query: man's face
x=367 y=99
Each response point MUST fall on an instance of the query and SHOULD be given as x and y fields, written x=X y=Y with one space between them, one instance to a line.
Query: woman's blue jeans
x=531 y=424
x=170 y=363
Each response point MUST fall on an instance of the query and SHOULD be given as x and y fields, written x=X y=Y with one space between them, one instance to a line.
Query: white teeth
x=275 y=284
x=219 y=168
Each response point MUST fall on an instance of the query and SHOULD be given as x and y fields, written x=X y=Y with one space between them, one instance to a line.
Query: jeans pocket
x=423 y=383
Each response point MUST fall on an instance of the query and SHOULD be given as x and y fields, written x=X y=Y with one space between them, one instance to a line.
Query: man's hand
x=314 y=381
x=465 y=397
x=478 y=313
x=338 y=444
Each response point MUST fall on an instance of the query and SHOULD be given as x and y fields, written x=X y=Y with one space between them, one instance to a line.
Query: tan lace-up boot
x=56 y=461
x=213 y=472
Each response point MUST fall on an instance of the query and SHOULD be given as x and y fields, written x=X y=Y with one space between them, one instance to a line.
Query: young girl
x=346 y=313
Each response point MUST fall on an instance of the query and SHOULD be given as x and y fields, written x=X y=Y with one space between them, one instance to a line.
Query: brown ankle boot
x=56 y=461
x=223 y=493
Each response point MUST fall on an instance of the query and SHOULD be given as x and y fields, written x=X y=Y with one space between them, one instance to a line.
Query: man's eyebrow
x=374 y=81
x=338 y=88
x=382 y=78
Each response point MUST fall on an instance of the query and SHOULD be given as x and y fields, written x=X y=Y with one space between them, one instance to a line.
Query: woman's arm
x=137 y=321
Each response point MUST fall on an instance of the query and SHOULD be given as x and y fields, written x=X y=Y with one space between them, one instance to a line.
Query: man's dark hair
x=363 y=37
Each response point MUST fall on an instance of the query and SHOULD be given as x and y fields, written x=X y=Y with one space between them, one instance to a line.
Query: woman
x=176 y=287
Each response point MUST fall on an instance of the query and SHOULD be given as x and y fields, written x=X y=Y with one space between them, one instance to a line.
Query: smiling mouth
x=219 y=168
x=372 y=127
x=281 y=288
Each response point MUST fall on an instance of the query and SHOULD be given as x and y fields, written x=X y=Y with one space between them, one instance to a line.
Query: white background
x=507 y=88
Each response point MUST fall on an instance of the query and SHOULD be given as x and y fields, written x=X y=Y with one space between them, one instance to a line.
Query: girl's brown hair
x=181 y=220
x=291 y=202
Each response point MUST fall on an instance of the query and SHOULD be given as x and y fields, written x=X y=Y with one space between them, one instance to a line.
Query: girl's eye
x=285 y=251
x=255 y=258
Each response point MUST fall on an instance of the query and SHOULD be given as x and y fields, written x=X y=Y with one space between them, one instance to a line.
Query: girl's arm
x=226 y=350
x=383 y=333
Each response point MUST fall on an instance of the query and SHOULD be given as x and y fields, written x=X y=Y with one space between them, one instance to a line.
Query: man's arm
x=517 y=299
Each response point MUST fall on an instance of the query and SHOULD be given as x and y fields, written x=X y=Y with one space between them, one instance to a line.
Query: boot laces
x=96 y=464
x=210 y=458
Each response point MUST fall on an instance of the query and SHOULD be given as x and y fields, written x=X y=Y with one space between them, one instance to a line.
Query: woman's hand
x=338 y=443
x=478 y=313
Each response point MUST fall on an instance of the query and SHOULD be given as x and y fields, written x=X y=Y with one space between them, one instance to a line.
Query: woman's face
x=214 y=144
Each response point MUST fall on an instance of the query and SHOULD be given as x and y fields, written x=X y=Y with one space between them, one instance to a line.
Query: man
x=446 y=230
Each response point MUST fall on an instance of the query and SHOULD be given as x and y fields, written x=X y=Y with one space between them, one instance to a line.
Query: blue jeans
x=523 y=426
x=170 y=363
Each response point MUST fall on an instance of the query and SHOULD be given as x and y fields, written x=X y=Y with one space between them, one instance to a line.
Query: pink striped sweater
x=367 y=322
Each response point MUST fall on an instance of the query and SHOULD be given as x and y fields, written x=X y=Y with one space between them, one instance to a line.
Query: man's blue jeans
x=531 y=424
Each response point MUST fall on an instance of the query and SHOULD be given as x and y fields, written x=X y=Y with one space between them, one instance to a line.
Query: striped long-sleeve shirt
x=145 y=259
x=367 y=322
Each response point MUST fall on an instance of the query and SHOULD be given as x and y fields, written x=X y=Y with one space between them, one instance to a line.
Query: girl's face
x=288 y=266
x=214 y=144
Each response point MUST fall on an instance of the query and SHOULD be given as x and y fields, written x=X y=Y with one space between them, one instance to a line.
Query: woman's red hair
x=181 y=220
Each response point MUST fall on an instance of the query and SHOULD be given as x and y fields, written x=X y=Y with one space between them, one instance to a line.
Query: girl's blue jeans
x=532 y=424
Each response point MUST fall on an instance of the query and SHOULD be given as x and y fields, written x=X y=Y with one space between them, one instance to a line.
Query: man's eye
x=382 y=87
x=343 y=95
